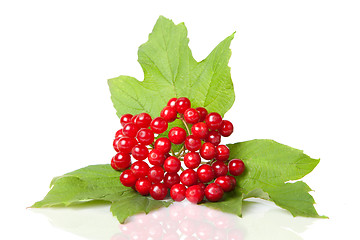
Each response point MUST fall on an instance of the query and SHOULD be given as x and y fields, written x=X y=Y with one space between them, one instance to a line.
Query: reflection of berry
x=196 y=141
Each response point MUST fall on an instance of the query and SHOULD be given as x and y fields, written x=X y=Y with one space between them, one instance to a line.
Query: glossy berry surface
x=182 y=104
x=140 y=169
x=140 y=152
x=158 y=191
x=177 y=192
x=213 y=137
x=177 y=135
x=205 y=173
x=188 y=177
x=233 y=182
x=199 y=130
x=163 y=145
x=222 y=153
x=208 y=151
x=128 y=178
x=225 y=183
x=194 y=194
x=236 y=167
x=115 y=144
x=143 y=120
x=192 y=143
x=156 y=157
x=191 y=116
x=158 y=125
x=143 y=186
x=226 y=128
x=121 y=161
x=126 y=118
x=171 y=102
x=119 y=134
x=130 y=130
x=168 y=113
x=172 y=164
x=220 y=168
x=213 y=120
x=145 y=136
x=156 y=174
x=213 y=192
x=126 y=144
x=203 y=113
x=192 y=160
x=171 y=179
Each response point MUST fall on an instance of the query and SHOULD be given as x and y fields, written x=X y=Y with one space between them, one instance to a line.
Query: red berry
x=115 y=144
x=168 y=113
x=220 y=168
x=188 y=177
x=225 y=183
x=134 y=118
x=213 y=137
x=125 y=144
x=222 y=153
x=177 y=135
x=192 y=160
x=226 y=128
x=171 y=179
x=177 y=192
x=126 y=118
x=171 y=102
x=145 y=136
x=140 y=169
x=143 y=186
x=192 y=143
x=199 y=130
x=156 y=157
x=203 y=113
x=163 y=145
x=143 y=120
x=140 y=152
x=233 y=182
x=213 y=120
x=213 y=192
x=194 y=194
x=191 y=115
x=158 y=125
x=130 y=130
x=182 y=104
x=158 y=191
x=172 y=164
x=121 y=161
x=205 y=173
x=202 y=185
x=236 y=167
x=208 y=151
x=156 y=174
x=128 y=178
x=119 y=134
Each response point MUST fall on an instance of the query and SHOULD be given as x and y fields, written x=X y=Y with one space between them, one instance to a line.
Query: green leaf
x=171 y=71
x=230 y=203
x=131 y=203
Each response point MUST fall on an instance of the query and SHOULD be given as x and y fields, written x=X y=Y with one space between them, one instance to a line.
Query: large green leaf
x=230 y=203
x=171 y=71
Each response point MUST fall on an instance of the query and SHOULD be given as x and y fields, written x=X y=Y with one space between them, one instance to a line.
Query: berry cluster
x=208 y=170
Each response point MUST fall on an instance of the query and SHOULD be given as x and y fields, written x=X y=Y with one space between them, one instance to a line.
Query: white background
x=295 y=68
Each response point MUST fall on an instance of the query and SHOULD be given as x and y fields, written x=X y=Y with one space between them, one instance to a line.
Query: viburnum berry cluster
x=206 y=169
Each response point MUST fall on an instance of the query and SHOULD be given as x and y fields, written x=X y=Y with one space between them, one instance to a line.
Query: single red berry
x=199 y=130
x=220 y=168
x=203 y=113
x=143 y=120
x=194 y=194
x=233 y=182
x=115 y=144
x=205 y=173
x=171 y=102
x=134 y=118
x=119 y=134
x=236 y=167
x=213 y=137
x=222 y=153
x=213 y=192
x=140 y=169
x=171 y=179
x=126 y=118
x=143 y=186
x=177 y=135
x=192 y=160
x=121 y=161
x=182 y=104
x=213 y=120
x=163 y=145
x=158 y=125
x=208 y=151
x=158 y=191
x=172 y=164
x=130 y=130
x=156 y=157
x=226 y=128
x=191 y=115
x=177 y=192
x=140 y=152
x=156 y=174
x=128 y=178
x=188 y=177
x=168 y=113
x=225 y=183
x=202 y=185
x=192 y=143
x=125 y=144
x=145 y=136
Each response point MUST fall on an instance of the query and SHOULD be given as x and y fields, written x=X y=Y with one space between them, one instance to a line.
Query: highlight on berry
x=151 y=162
